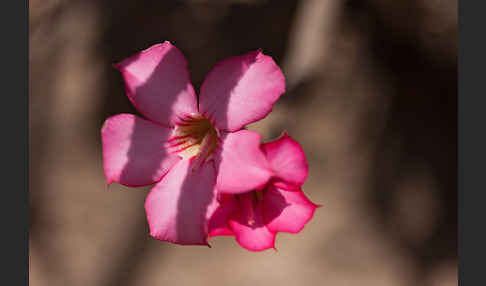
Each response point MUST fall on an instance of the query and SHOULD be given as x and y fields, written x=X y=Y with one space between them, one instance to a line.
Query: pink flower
x=189 y=146
x=255 y=217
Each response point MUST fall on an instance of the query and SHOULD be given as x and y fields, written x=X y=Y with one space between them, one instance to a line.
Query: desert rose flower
x=255 y=217
x=188 y=145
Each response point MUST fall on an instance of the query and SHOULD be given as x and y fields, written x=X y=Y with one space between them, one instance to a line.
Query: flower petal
x=158 y=84
x=179 y=206
x=218 y=225
x=241 y=90
x=286 y=211
x=249 y=227
x=242 y=166
x=133 y=150
x=287 y=160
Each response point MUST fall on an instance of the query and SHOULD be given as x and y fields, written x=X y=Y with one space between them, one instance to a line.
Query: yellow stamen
x=194 y=136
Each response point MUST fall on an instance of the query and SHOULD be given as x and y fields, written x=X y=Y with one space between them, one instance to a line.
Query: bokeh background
x=371 y=96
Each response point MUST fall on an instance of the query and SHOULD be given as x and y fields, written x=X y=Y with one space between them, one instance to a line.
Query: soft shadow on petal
x=241 y=90
x=242 y=164
x=286 y=211
x=179 y=207
x=249 y=228
x=287 y=160
x=158 y=84
x=133 y=150
x=218 y=225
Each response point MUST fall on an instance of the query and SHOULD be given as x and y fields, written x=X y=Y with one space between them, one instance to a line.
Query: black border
x=471 y=154
x=14 y=25
x=471 y=142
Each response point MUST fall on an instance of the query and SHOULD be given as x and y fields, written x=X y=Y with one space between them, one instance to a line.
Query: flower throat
x=194 y=136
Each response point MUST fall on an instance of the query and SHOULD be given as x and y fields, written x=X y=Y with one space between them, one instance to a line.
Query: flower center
x=248 y=201
x=194 y=136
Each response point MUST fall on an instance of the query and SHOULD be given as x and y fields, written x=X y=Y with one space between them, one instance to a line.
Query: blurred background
x=371 y=96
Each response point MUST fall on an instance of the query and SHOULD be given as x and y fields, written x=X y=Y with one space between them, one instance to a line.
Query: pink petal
x=241 y=90
x=218 y=225
x=133 y=150
x=179 y=206
x=287 y=160
x=249 y=227
x=286 y=211
x=241 y=163
x=158 y=84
